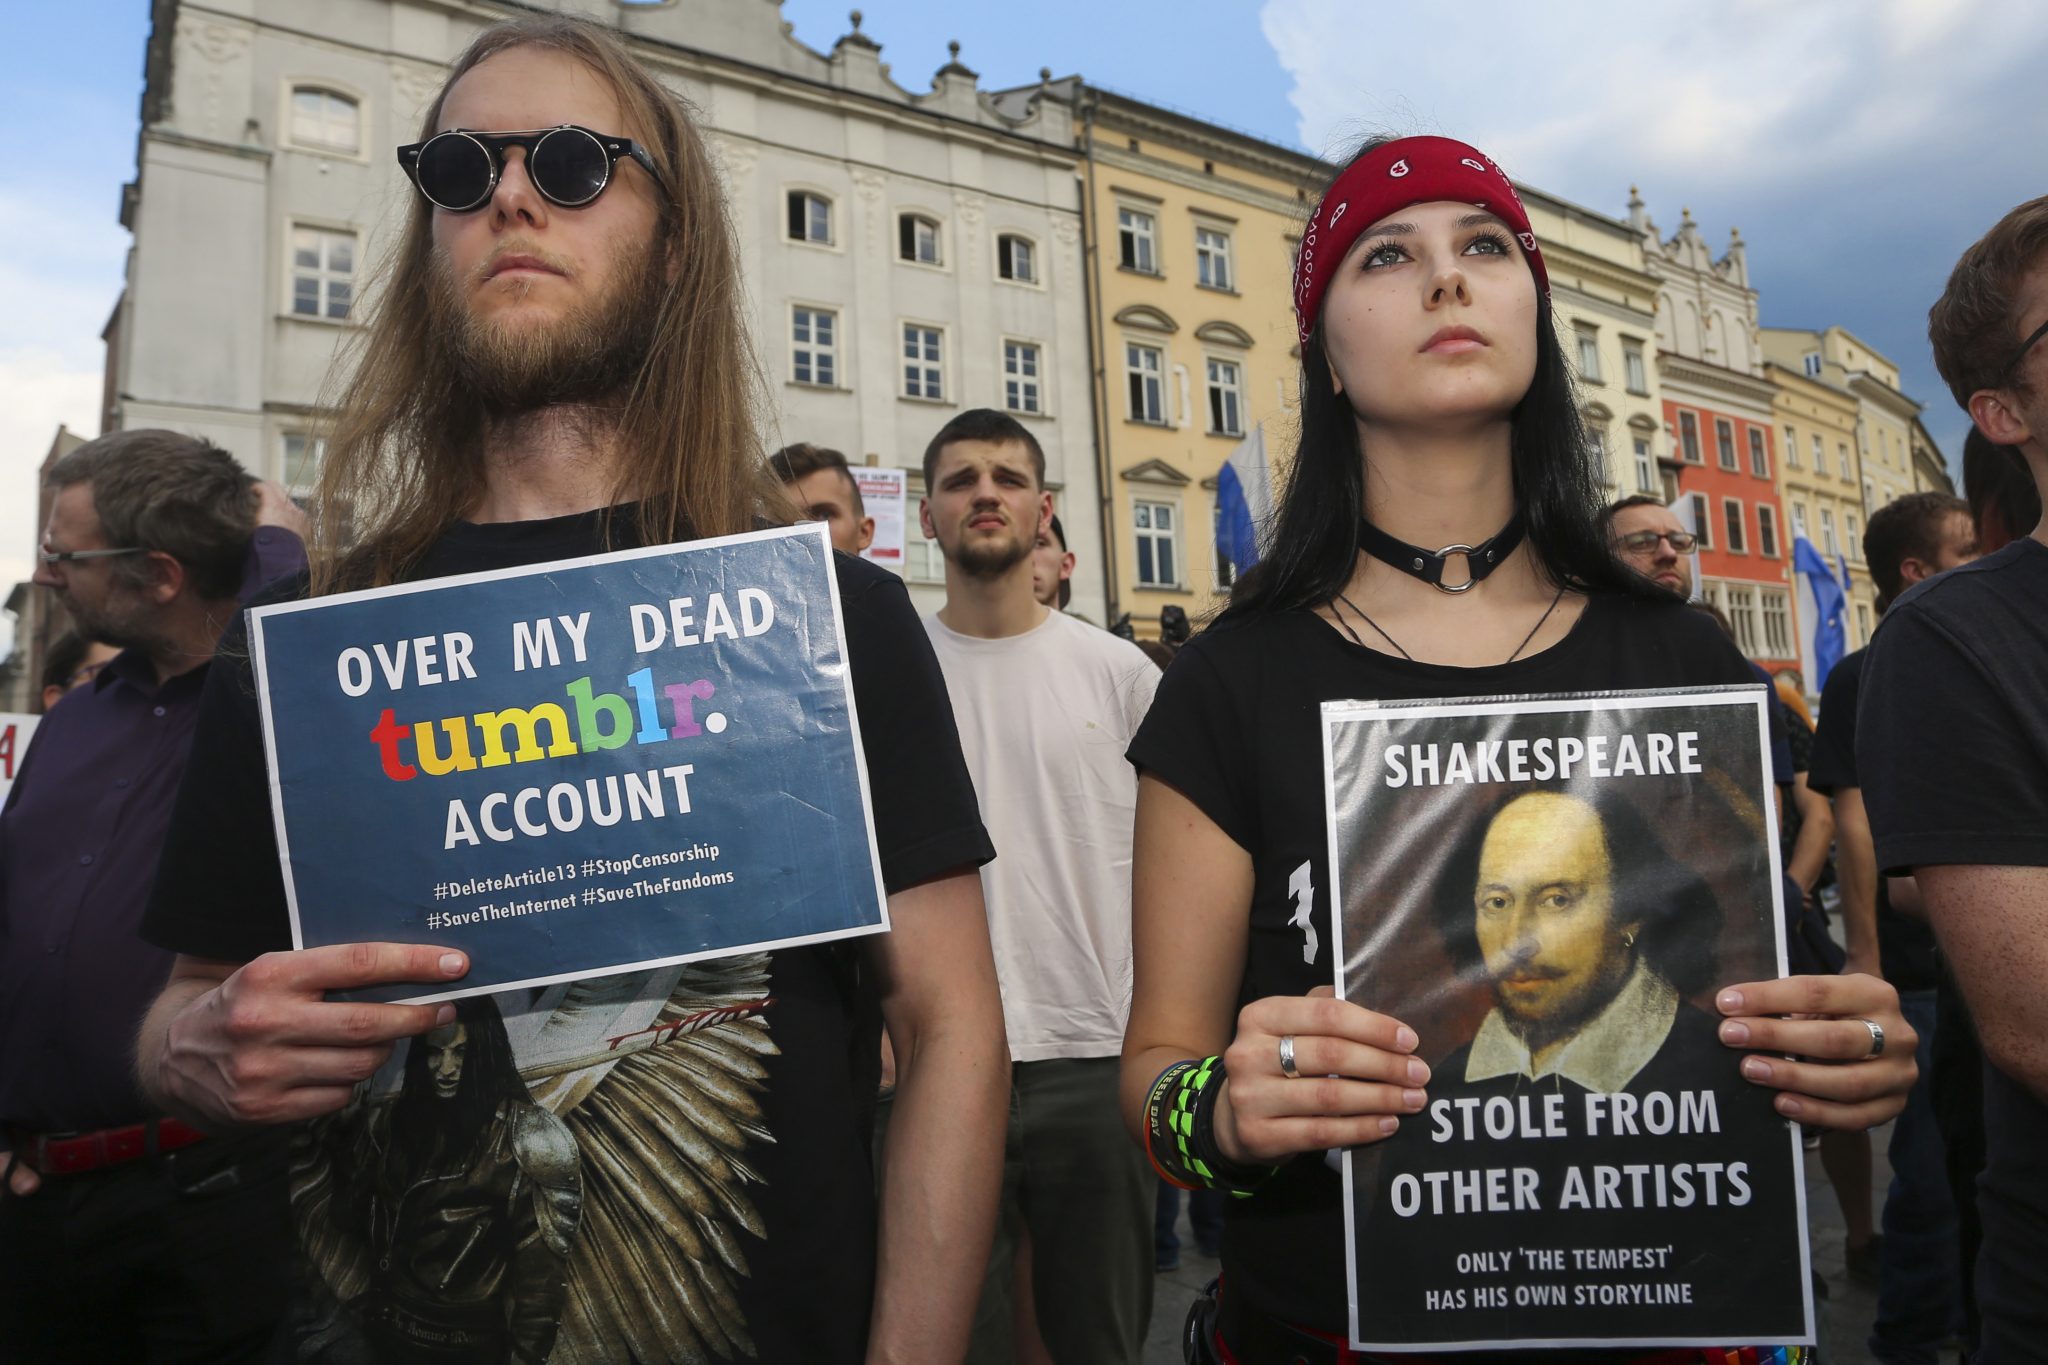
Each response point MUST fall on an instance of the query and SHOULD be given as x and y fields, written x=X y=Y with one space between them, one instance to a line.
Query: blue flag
x=1829 y=634
x=1244 y=501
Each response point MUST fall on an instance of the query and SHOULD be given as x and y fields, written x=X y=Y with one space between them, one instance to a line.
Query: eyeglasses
x=2005 y=375
x=458 y=170
x=1636 y=542
x=51 y=558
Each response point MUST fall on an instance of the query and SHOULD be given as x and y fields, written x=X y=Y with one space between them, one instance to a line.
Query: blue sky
x=1859 y=144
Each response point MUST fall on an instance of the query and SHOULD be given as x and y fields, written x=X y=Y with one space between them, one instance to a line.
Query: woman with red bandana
x=1437 y=409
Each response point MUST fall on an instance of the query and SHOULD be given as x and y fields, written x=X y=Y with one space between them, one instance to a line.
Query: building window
x=1731 y=514
x=1646 y=466
x=1842 y=452
x=1589 y=353
x=1791 y=448
x=1777 y=624
x=302 y=456
x=1689 y=437
x=1827 y=532
x=1017 y=258
x=1703 y=524
x=1863 y=623
x=324 y=119
x=1724 y=441
x=917 y=239
x=923 y=562
x=1812 y=363
x=1799 y=521
x=323 y=272
x=1145 y=368
x=1759 y=462
x=1226 y=398
x=1212 y=258
x=814 y=346
x=1021 y=368
x=1855 y=530
x=923 y=367
x=1741 y=609
x=1596 y=450
x=1767 y=530
x=1637 y=370
x=1158 y=546
x=1136 y=240
x=810 y=217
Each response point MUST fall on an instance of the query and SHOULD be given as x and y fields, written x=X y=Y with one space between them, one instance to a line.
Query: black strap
x=1428 y=565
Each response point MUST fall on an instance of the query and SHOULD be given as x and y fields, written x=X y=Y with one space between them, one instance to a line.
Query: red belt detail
x=77 y=1153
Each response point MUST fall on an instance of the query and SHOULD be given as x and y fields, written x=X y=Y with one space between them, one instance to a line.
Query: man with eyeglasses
x=1952 y=743
x=1649 y=538
x=122 y=1235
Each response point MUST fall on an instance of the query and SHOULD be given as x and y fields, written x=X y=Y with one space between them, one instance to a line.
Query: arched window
x=1017 y=258
x=326 y=119
x=810 y=217
x=917 y=239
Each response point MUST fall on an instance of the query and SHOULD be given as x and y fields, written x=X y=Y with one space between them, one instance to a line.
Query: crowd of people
x=1107 y=979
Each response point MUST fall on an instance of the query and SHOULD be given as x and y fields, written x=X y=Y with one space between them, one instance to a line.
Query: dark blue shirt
x=79 y=842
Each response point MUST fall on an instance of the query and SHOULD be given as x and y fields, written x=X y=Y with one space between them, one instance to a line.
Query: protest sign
x=1550 y=891
x=882 y=495
x=577 y=768
x=15 y=731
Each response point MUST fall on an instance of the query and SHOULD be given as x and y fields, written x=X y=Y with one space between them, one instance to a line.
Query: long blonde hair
x=404 y=459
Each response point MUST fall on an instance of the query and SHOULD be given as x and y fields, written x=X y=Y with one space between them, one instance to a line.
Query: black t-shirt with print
x=1952 y=737
x=1905 y=946
x=1236 y=728
x=708 y=1196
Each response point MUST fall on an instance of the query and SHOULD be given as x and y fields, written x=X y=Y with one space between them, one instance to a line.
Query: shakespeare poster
x=1550 y=891
x=578 y=768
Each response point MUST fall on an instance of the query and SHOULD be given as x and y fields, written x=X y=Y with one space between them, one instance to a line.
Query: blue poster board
x=577 y=768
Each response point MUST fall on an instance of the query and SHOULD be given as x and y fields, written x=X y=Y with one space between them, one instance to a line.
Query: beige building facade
x=1820 y=483
x=1884 y=414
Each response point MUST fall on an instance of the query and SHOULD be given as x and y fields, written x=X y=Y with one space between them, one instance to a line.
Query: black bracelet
x=1224 y=1174
x=1180 y=1136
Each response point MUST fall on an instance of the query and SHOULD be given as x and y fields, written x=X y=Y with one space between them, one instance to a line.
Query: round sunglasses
x=458 y=170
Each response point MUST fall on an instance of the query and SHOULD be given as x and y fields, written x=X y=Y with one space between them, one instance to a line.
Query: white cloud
x=1583 y=99
x=39 y=389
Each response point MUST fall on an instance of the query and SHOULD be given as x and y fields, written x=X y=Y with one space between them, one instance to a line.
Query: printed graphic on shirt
x=1550 y=891
x=562 y=1176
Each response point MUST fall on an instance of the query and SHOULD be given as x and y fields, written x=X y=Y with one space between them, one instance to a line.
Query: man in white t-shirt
x=1046 y=706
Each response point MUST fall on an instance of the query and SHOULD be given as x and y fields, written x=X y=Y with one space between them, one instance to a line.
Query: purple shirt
x=79 y=842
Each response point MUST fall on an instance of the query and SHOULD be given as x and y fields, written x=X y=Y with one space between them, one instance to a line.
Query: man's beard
x=111 y=625
x=592 y=353
x=986 y=558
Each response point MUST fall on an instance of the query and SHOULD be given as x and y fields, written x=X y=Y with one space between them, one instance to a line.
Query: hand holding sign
x=1358 y=1074
x=1825 y=1019
x=266 y=1046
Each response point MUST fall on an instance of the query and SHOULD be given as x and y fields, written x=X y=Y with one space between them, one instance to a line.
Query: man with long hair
x=557 y=366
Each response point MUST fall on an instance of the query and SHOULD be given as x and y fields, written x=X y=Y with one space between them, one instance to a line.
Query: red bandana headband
x=1412 y=170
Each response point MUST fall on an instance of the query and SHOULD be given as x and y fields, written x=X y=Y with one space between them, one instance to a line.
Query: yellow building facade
x=1885 y=416
x=1605 y=304
x=1190 y=231
x=1820 y=486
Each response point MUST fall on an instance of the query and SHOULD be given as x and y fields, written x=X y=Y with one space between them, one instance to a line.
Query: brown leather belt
x=76 y=1153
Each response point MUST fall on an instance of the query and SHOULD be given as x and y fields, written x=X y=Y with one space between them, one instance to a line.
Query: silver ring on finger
x=1287 y=1067
x=1876 y=1038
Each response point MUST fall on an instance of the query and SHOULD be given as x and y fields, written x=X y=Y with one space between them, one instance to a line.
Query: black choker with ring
x=1428 y=565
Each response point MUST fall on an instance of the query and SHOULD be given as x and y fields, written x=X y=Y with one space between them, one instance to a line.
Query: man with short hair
x=1046 y=705
x=122 y=1235
x=822 y=488
x=1052 y=567
x=1952 y=743
x=72 y=662
x=1919 y=1297
x=1649 y=538
x=554 y=371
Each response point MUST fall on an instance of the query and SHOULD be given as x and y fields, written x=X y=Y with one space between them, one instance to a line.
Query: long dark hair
x=490 y=1075
x=1314 y=543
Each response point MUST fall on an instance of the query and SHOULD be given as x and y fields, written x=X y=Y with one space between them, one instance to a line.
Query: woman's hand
x=1836 y=1080
x=1358 y=1075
